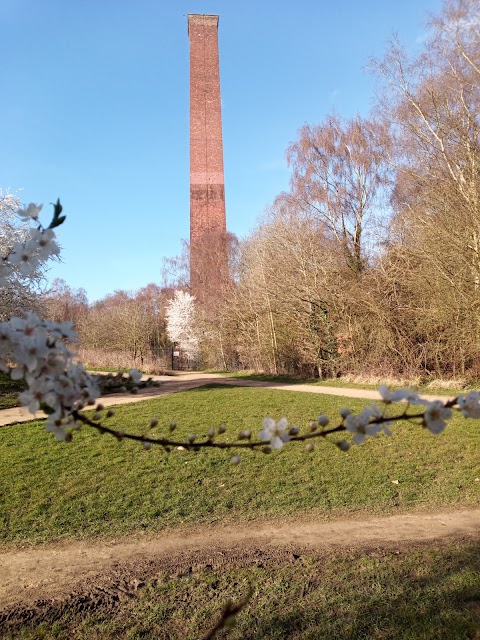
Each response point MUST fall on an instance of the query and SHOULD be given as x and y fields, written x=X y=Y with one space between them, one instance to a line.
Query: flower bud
x=309 y=447
x=153 y=423
x=235 y=459
x=312 y=426
x=97 y=416
x=173 y=426
x=222 y=428
x=191 y=438
x=323 y=420
x=294 y=430
x=110 y=413
x=267 y=449
x=345 y=412
x=343 y=445
x=147 y=445
x=211 y=433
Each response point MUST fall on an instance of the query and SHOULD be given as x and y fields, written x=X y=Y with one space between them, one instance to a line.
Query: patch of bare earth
x=41 y=583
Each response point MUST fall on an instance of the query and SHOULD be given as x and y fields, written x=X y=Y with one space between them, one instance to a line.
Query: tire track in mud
x=42 y=583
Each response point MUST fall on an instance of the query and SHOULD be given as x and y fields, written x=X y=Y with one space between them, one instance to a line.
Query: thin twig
x=210 y=443
x=229 y=612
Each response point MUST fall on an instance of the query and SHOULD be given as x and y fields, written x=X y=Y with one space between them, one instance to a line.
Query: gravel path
x=186 y=381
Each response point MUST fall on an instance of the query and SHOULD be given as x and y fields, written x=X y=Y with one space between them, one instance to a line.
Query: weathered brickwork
x=207 y=192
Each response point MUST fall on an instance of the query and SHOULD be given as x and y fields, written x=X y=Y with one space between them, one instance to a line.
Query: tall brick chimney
x=208 y=248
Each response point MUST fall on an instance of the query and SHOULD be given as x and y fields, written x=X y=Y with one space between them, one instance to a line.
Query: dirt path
x=186 y=381
x=84 y=569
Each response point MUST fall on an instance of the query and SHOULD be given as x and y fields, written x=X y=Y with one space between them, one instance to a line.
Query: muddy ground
x=41 y=583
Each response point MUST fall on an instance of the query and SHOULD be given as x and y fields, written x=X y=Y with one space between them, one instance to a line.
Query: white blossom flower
x=17 y=373
x=44 y=242
x=374 y=410
x=400 y=394
x=57 y=430
x=436 y=415
x=40 y=391
x=26 y=325
x=135 y=375
x=31 y=350
x=274 y=432
x=24 y=257
x=391 y=396
x=413 y=398
x=31 y=211
x=361 y=426
x=63 y=330
x=387 y=395
x=470 y=404
x=357 y=425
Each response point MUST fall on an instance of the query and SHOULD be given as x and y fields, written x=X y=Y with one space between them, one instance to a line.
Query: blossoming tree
x=23 y=285
x=180 y=322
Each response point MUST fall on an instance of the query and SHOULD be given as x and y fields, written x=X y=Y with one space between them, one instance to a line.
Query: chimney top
x=202 y=19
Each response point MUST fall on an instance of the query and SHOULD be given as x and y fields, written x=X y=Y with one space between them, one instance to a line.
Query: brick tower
x=208 y=248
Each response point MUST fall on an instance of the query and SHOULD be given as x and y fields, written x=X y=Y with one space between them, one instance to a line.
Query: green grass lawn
x=412 y=592
x=9 y=390
x=98 y=486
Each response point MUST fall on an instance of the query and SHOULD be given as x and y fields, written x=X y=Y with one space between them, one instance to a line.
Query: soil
x=41 y=583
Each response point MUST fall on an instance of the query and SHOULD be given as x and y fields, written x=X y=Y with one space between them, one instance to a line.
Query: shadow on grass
x=425 y=594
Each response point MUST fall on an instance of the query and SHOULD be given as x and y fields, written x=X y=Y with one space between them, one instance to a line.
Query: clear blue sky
x=95 y=110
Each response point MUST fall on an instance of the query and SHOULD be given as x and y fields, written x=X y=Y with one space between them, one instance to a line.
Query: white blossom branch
x=274 y=435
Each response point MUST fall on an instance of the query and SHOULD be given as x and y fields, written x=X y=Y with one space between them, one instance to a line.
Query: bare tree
x=339 y=170
x=433 y=102
x=62 y=303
